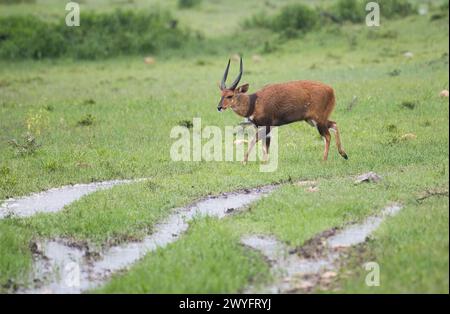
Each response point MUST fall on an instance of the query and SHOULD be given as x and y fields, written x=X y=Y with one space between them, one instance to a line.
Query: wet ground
x=60 y=267
x=300 y=269
x=63 y=267
x=55 y=199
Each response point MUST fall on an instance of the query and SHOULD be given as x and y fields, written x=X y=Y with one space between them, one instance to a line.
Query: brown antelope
x=279 y=104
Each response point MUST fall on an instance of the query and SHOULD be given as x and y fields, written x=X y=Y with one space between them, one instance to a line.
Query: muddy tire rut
x=301 y=270
x=61 y=266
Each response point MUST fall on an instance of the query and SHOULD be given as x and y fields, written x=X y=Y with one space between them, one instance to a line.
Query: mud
x=62 y=268
x=53 y=200
x=300 y=269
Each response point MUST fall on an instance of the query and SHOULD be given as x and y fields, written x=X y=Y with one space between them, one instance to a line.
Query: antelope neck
x=251 y=104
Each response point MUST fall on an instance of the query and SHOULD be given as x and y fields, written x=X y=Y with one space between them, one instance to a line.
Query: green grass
x=133 y=107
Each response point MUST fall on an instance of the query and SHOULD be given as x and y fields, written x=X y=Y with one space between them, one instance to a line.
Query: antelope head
x=230 y=96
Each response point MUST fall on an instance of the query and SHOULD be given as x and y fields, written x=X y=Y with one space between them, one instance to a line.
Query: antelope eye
x=229 y=97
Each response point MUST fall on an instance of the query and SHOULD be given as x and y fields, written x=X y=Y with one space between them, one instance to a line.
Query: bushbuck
x=279 y=104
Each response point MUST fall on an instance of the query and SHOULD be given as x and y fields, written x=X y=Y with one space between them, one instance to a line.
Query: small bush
x=187 y=4
x=291 y=20
x=185 y=123
x=27 y=145
x=395 y=8
x=260 y=19
x=296 y=17
x=86 y=120
x=350 y=10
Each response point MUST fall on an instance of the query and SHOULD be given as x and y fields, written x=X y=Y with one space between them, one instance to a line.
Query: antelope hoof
x=344 y=155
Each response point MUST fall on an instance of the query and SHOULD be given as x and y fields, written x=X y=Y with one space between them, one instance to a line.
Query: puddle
x=53 y=200
x=60 y=268
x=358 y=233
x=290 y=269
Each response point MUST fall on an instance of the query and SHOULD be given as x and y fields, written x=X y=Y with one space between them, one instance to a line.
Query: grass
x=131 y=107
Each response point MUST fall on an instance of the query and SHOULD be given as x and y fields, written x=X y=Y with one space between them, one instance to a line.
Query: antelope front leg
x=260 y=134
x=266 y=145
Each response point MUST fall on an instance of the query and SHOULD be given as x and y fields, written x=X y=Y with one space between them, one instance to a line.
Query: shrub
x=16 y=1
x=87 y=120
x=98 y=36
x=395 y=8
x=28 y=145
x=186 y=4
x=350 y=10
x=296 y=17
x=260 y=19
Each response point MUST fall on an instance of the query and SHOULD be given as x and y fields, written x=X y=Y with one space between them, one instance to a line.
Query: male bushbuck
x=279 y=104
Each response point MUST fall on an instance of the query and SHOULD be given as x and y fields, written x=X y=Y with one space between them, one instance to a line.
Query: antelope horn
x=222 y=84
x=236 y=81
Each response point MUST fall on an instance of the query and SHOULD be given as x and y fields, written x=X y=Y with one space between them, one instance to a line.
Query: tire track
x=55 y=199
x=300 y=270
x=60 y=267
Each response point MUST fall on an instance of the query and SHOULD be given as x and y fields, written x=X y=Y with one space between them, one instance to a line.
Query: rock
x=312 y=189
x=236 y=57
x=305 y=285
x=368 y=177
x=329 y=274
x=305 y=183
x=149 y=60
x=444 y=93
x=257 y=58
x=408 y=54
x=37 y=247
x=229 y=210
x=408 y=136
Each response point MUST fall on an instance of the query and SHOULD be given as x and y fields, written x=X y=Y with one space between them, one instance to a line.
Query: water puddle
x=291 y=269
x=60 y=268
x=53 y=200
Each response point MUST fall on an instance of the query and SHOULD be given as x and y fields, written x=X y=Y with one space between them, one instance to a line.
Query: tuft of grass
x=15 y=255
x=408 y=104
x=28 y=145
x=87 y=120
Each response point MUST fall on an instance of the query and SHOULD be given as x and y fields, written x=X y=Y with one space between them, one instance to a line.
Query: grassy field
x=108 y=119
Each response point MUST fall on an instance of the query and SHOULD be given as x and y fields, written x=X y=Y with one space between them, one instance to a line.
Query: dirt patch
x=315 y=247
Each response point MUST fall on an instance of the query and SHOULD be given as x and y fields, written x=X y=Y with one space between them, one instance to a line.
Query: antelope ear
x=243 y=88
